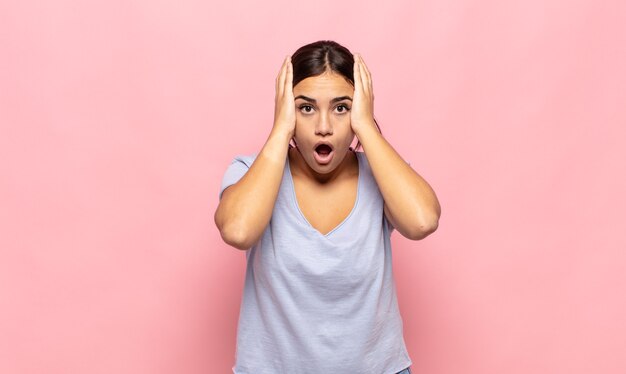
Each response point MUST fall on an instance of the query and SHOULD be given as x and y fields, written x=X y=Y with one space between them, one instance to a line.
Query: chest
x=326 y=206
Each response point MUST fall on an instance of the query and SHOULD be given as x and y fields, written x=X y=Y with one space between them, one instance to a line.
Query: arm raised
x=246 y=207
x=411 y=205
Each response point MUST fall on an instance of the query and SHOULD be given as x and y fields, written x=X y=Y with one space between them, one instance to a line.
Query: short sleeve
x=235 y=171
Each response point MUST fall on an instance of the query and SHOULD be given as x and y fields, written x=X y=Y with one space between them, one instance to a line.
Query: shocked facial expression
x=323 y=132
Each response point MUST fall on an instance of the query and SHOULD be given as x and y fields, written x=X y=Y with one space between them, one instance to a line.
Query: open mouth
x=323 y=149
x=323 y=153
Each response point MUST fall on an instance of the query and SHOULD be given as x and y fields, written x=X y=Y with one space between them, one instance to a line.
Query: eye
x=306 y=108
x=342 y=108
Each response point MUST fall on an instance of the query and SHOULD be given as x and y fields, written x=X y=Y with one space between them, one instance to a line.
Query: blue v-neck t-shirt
x=315 y=303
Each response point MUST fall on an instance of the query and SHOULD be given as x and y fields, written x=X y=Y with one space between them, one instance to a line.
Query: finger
x=277 y=84
x=365 y=83
x=281 y=79
x=367 y=71
x=357 y=74
x=370 y=83
x=367 y=78
x=289 y=77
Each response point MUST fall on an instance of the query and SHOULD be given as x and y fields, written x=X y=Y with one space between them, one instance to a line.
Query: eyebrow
x=337 y=99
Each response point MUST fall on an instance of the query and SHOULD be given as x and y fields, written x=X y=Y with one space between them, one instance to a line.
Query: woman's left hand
x=362 y=112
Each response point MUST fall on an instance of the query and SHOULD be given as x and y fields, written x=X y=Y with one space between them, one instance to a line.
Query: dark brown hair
x=325 y=55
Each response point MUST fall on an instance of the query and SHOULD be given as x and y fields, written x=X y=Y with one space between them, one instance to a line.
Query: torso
x=295 y=275
x=325 y=206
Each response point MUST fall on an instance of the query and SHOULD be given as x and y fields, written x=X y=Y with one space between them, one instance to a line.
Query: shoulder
x=236 y=170
x=244 y=159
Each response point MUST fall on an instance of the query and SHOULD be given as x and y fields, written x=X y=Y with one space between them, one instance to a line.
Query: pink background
x=119 y=119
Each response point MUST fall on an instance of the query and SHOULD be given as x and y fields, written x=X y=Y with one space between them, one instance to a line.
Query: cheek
x=303 y=127
x=343 y=130
x=342 y=121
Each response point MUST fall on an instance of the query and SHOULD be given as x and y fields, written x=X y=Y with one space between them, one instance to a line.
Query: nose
x=324 y=127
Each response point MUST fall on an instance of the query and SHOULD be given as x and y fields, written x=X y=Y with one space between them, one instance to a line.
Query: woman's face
x=323 y=105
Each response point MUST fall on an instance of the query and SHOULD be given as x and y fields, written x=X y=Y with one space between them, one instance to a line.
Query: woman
x=315 y=219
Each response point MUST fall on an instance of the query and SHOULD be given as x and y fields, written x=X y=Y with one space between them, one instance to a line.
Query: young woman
x=315 y=220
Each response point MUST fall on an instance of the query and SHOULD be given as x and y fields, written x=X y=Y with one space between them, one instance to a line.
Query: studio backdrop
x=119 y=118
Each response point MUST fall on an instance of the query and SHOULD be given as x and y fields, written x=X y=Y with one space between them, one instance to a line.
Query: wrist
x=276 y=146
x=281 y=134
x=358 y=127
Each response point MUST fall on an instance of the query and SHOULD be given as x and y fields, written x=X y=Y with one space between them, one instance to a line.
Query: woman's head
x=323 y=71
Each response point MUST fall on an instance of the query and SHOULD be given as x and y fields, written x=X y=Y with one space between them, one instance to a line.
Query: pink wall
x=119 y=118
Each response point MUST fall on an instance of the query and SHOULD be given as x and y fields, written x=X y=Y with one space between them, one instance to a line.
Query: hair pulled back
x=325 y=55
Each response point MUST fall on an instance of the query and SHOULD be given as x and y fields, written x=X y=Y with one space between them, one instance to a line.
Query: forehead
x=328 y=84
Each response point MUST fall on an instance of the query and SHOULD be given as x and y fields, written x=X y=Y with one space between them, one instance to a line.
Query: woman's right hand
x=285 y=109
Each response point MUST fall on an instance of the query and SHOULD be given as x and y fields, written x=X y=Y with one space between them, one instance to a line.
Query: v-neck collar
x=356 y=201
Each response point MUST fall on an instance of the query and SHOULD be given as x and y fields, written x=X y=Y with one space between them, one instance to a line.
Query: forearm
x=246 y=207
x=408 y=197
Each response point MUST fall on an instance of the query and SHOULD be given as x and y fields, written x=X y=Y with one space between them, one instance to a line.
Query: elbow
x=424 y=229
x=232 y=233
x=236 y=237
x=427 y=223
